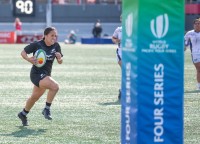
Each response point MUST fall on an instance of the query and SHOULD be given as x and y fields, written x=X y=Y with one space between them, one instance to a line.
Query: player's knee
x=55 y=87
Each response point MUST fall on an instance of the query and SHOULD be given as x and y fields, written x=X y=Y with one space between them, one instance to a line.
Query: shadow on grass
x=25 y=131
x=193 y=91
x=110 y=103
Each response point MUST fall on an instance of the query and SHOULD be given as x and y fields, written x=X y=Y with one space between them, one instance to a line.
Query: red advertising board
x=7 y=37
x=28 y=38
x=192 y=8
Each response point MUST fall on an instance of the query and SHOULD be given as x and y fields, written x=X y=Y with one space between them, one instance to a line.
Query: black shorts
x=36 y=77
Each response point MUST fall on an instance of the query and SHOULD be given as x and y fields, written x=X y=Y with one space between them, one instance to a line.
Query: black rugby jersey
x=50 y=53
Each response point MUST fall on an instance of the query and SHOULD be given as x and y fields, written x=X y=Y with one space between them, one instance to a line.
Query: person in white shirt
x=192 y=39
x=116 y=38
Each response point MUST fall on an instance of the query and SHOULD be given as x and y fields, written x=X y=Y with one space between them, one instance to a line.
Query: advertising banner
x=7 y=37
x=28 y=38
x=152 y=72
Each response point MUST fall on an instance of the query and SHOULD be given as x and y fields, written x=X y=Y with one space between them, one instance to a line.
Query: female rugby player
x=116 y=38
x=192 y=38
x=41 y=77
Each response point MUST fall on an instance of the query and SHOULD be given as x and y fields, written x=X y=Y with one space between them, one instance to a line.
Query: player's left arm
x=115 y=40
x=59 y=55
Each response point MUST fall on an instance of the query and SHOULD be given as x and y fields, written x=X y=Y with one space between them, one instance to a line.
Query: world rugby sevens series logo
x=129 y=24
x=159 y=26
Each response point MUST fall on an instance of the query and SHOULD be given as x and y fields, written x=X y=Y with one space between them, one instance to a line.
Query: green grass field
x=85 y=110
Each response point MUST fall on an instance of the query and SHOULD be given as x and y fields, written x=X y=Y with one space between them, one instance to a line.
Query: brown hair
x=196 y=20
x=48 y=30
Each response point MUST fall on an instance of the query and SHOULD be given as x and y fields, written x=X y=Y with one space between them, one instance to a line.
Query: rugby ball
x=41 y=58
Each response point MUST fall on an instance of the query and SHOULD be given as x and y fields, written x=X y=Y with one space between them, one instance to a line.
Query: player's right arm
x=32 y=59
x=27 y=50
x=187 y=40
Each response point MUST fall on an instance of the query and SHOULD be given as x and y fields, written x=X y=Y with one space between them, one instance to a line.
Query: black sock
x=24 y=112
x=48 y=105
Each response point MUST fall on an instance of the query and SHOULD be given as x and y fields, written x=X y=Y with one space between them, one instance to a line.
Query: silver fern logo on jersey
x=159 y=26
x=129 y=24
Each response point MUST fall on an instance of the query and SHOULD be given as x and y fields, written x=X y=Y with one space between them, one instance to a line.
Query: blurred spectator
x=61 y=1
x=91 y=1
x=18 y=24
x=58 y=1
x=55 y=1
x=97 y=29
x=71 y=38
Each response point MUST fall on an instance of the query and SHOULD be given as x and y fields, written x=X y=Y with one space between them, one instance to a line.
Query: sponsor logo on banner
x=129 y=31
x=159 y=28
x=129 y=24
x=28 y=38
x=7 y=37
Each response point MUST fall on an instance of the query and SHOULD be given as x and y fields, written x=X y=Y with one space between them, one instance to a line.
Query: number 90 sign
x=23 y=7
